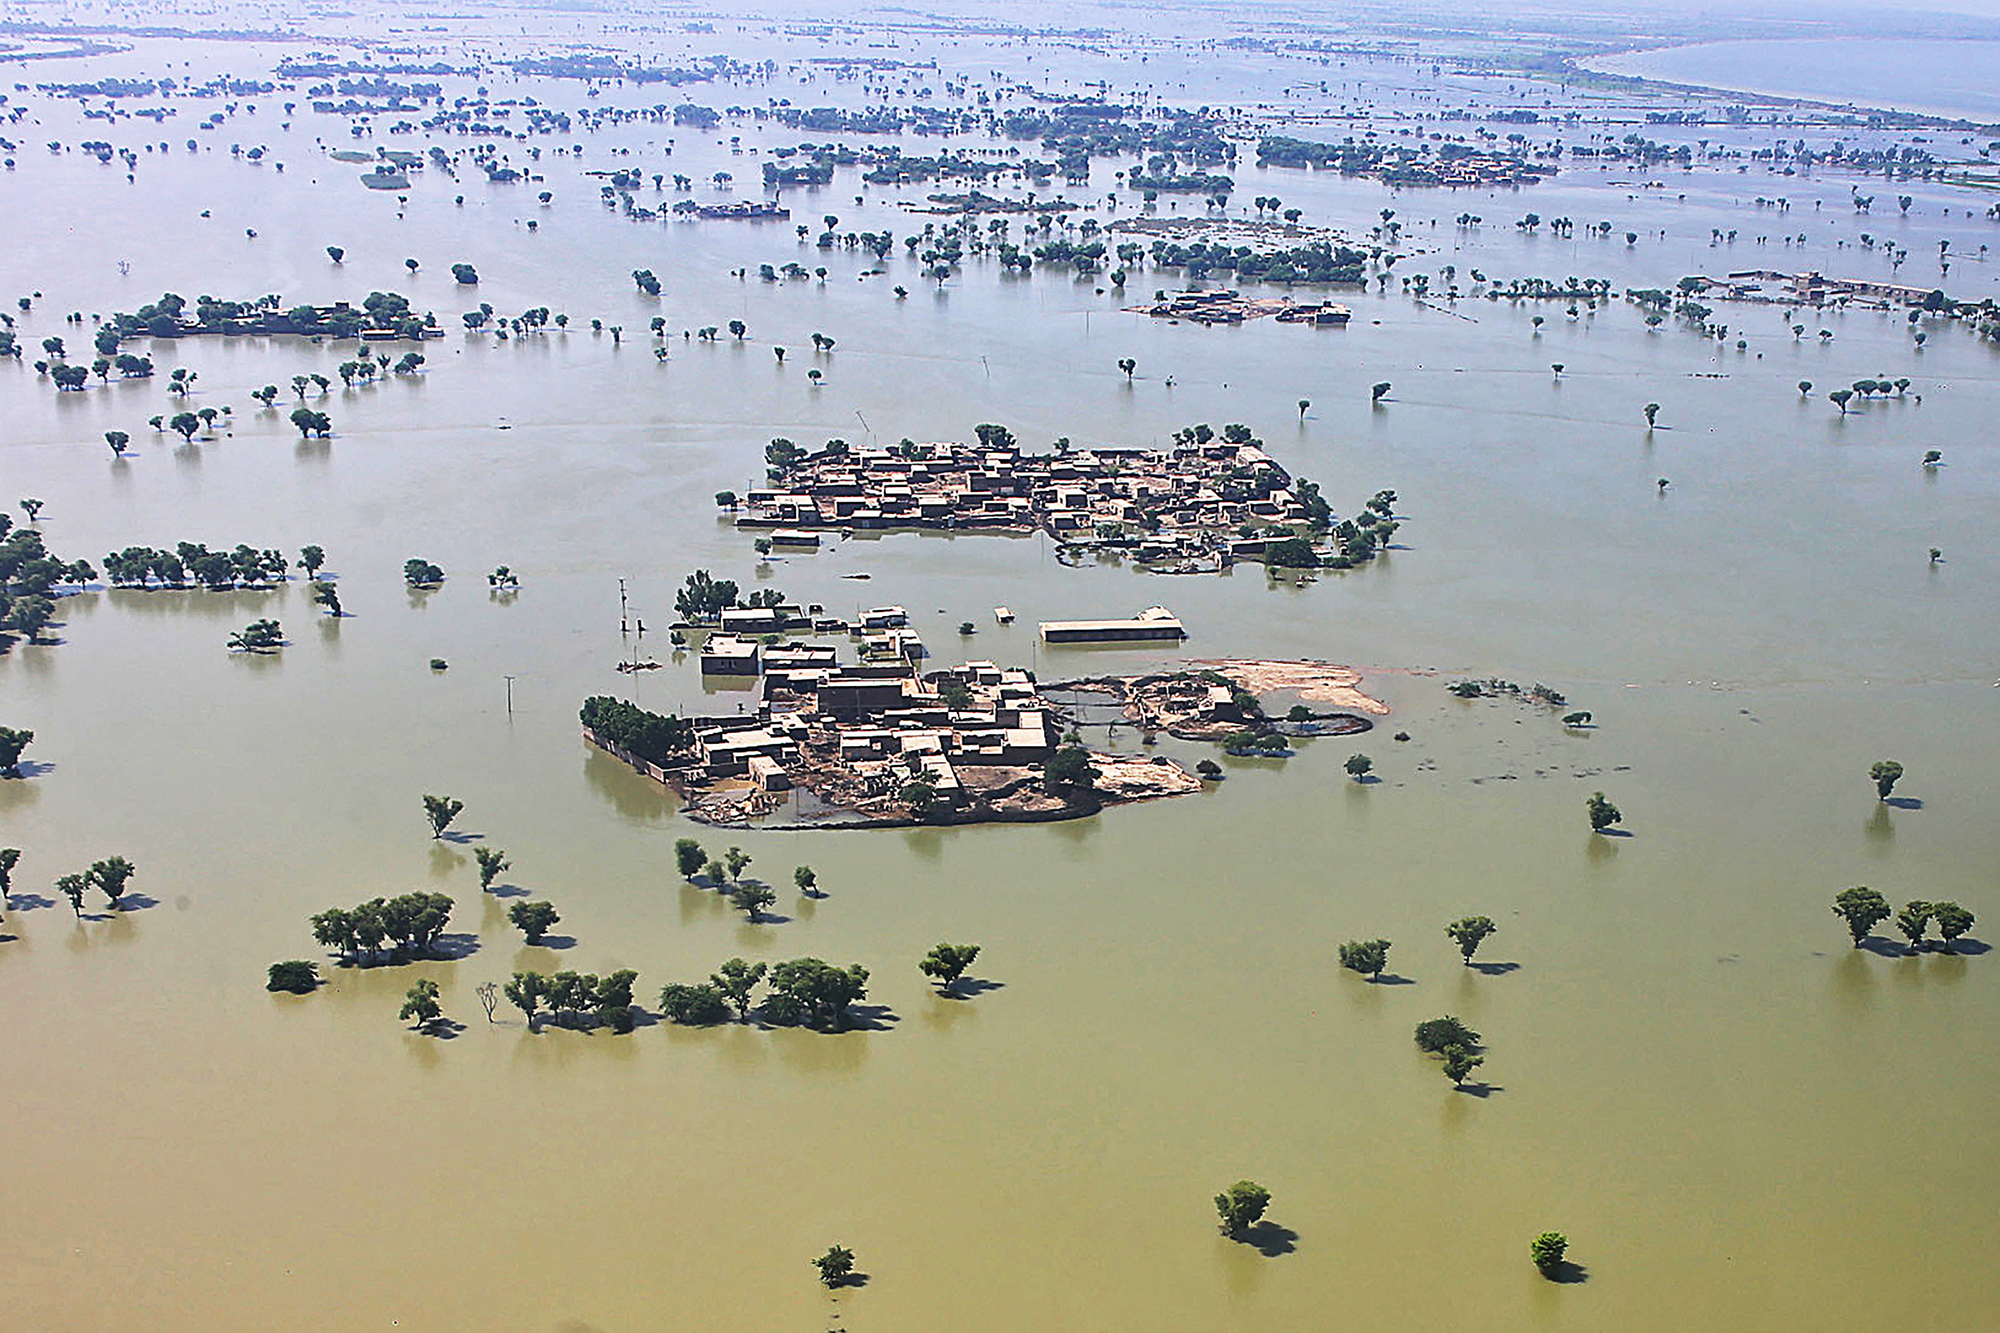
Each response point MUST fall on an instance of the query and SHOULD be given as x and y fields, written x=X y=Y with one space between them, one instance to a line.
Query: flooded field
x=1688 y=1070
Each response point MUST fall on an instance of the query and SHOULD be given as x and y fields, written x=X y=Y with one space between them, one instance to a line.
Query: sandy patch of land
x=1315 y=682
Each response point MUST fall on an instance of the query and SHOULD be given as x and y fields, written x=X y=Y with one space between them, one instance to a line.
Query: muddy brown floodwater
x=1740 y=1122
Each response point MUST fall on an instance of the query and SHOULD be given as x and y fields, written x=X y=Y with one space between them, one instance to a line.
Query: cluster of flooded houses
x=864 y=729
x=1223 y=305
x=1185 y=502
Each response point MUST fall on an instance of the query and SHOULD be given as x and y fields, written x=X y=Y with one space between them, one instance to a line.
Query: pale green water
x=1693 y=1076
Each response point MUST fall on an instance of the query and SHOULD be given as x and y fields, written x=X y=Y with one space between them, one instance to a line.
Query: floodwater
x=1688 y=1071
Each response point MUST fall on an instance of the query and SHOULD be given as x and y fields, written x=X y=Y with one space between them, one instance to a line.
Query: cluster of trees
x=29 y=577
x=421 y=573
x=703 y=598
x=574 y=999
x=654 y=737
x=408 y=925
x=1863 y=909
x=1454 y=1042
x=108 y=877
x=259 y=636
x=800 y=992
x=1371 y=957
x=215 y=571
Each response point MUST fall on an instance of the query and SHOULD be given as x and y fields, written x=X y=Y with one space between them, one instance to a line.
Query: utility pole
x=621 y=606
x=510 y=696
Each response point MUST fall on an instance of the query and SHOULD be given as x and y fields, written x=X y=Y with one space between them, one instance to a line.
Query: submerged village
x=879 y=741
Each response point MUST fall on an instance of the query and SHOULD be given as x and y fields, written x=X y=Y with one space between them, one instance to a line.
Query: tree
x=12 y=741
x=737 y=328
x=689 y=856
x=1839 y=398
x=335 y=253
x=1913 y=921
x=491 y=863
x=1470 y=932
x=716 y=874
x=297 y=976
x=441 y=810
x=310 y=560
x=734 y=981
x=806 y=880
x=836 y=1266
x=1069 y=766
x=421 y=1003
x=1952 y=920
x=1367 y=957
x=1358 y=765
x=1602 y=813
x=1885 y=773
x=1291 y=553
x=1862 y=908
x=945 y=963
x=693 y=1006
x=185 y=423
x=738 y=861
x=117 y=439
x=465 y=274
x=1805 y=387
x=110 y=876
x=751 y=899
x=9 y=858
x=1376 y=394
x=1458 y=1062
x=1241 y=1206
x=526 y=991
x=310 y=422
x=32 y=508
x=72 y=887
x=1128 y=365
x=1652 y=411
x=324 y=594
x=1547 y=1251
x=534 y=919
x=1434 y=1034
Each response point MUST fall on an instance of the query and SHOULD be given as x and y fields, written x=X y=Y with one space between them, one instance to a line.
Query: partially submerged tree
x=440 y=811
x=1862 y=909
x=109 y=877
x=1358 y=765
x=1952 y=920
x=13 y=740
x=1241 y=1206
x=1547 y=1251
x=491 y=862
x=1458 y=1062
x=751 y=898
x=297 y=976
x=533 y=919
x=1885 y=774
x=690 y=858
x=1602 y=813
x=1368 y=957
x=421 y=1003
x=1469 y=933
x=1913 y=921
x=945 y=963
x=836 y=1266
x=734 y=981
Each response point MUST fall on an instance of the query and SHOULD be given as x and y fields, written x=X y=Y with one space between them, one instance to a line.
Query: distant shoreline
x=1591 y=66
